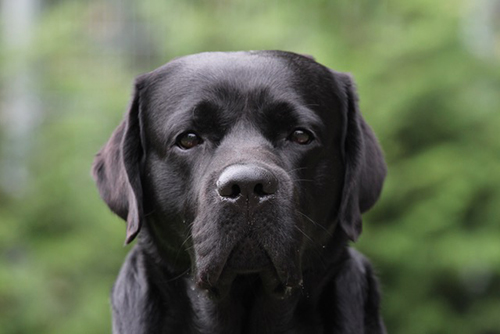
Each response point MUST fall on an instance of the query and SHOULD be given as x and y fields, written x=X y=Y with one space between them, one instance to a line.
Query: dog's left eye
x=301 y=137
x=188 y=140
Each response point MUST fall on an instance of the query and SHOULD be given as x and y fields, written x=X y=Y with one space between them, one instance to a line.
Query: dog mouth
x=279 y=276
x=248 y=257
x=269 y=279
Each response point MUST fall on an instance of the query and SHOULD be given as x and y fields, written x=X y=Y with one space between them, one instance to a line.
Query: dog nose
x=249 y=182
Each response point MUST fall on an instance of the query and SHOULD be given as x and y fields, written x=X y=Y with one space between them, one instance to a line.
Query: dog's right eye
x=188 y=140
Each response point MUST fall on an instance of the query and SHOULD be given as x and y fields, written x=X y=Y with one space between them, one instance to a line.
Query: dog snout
x=250 y=183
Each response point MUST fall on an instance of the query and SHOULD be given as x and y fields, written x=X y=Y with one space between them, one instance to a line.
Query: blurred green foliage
x=428 y=75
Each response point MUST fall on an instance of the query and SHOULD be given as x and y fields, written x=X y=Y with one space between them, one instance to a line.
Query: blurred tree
x=428 y=75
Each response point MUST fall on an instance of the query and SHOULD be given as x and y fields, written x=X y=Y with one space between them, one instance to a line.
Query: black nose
x=249 y=182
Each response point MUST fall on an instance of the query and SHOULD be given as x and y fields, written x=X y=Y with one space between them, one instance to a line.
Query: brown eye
x=301 y=137
x=188 y=140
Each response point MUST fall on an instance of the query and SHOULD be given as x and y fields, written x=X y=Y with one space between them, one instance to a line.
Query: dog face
x=241 y=163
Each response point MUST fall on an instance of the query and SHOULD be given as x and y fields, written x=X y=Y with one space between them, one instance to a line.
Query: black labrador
x=244 y=176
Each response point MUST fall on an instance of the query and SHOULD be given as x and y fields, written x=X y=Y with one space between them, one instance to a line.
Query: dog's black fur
x=246 y=174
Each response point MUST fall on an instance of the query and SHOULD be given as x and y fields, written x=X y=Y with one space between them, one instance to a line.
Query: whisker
x=149 y=213
x=303 y=180
x=296 y=169
x=305 y=234
x=315 y=224
x=179 y=276
x=190 y=248
x=181 y=248
x=186 y=240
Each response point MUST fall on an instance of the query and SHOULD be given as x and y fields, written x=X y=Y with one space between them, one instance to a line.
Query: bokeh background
x=428 y=73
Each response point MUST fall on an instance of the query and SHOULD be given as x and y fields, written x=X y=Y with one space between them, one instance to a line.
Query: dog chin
x=257 y=269
x=268 y=279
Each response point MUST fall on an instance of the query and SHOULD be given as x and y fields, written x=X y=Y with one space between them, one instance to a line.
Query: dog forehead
x=245 y=70
x=188 y=80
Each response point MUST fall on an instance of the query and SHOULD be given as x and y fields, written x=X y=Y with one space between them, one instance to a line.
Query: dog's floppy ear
x=364 y=163
x=116 y=168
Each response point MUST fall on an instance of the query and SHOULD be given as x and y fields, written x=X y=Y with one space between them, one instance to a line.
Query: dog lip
x=209 y=276
x=289 y=274
x=248 y=255
x=280 y=277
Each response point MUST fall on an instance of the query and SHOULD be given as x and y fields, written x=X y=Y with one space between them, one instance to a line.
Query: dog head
x=241 y=163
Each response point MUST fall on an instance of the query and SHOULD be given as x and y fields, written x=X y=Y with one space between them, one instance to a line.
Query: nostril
x=269 y=187
x=228 y=189
x=235 y=191
x=259 y=190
